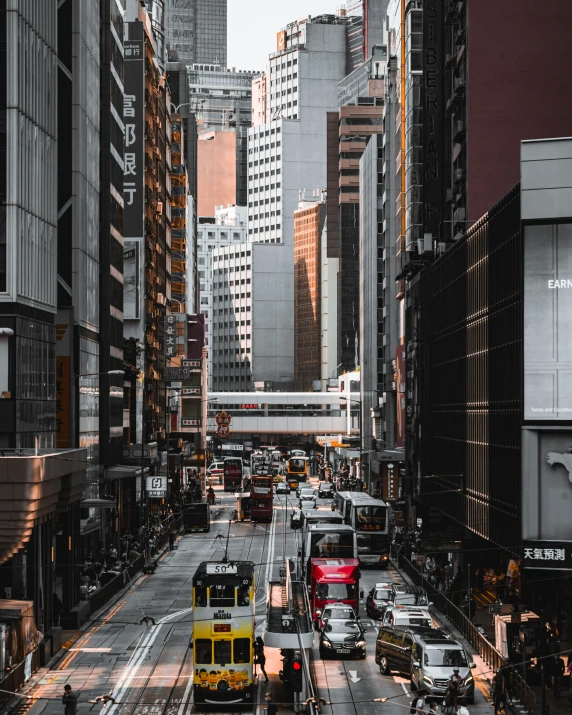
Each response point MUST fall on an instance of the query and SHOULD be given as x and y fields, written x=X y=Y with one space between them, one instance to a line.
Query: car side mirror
x=473 y=665
x=416 y=664
x=430 y=603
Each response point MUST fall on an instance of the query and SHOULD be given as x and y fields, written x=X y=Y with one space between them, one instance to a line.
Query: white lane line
x=186 y=704
x=132 y=668
x=405 y=690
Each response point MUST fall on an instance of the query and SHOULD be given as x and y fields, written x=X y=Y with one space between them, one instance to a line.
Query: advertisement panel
x=548 y=322
x=195 y=336
x=553 y=555
x=547 y=484
x=390 y=473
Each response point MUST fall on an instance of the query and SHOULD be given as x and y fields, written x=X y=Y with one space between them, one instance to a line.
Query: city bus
x=370 y=519
x=232 y=474
x=260 y=464
x=261 y=498
x=298 y=468
x=223 y=633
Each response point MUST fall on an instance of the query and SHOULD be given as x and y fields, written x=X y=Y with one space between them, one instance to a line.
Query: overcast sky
x=253 y=24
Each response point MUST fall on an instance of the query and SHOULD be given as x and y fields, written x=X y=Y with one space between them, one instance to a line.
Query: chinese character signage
x=170 y=337
x=223 y=420
x=156 y=487
x=547 y=555
x=133 y=118
x=390 y=481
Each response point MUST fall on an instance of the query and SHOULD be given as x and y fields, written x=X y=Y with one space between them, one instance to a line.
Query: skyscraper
x=196 y=30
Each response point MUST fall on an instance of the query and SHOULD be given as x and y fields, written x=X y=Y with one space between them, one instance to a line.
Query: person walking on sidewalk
x=260 y=657
x=418 y=703
x=69 y=699
x=271 y=708
x=171 y=540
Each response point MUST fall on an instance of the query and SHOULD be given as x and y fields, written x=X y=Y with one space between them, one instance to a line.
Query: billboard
x=547 y=484
x=133 y=117
x=196 y=331
x=548 y=322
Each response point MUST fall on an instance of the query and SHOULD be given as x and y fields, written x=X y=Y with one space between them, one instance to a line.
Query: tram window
x=244 y=595
x=204 y=651
x=222 y=595
x=241 y=650
x=222 y=652
x=200 y=596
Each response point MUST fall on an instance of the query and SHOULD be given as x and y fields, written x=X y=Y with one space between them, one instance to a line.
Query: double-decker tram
x=232 y=469
x=261 y=498
x=223 y=633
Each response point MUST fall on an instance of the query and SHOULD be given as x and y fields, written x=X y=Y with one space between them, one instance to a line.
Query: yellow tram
x=223 y=632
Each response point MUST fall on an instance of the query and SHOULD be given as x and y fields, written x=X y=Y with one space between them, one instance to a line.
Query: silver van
x=432 y=664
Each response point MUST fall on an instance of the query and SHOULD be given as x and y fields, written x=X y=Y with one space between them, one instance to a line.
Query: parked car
x=378 y=599
x=282 y=488
x=342 y=637
x=325 y=490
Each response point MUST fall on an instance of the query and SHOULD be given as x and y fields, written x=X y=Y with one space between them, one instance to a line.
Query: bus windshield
x=370 y=518
x=297 y=465
x=372 y=544
x=332 y=545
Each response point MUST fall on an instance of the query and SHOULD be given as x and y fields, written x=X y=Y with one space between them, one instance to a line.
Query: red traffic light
x=296 y=665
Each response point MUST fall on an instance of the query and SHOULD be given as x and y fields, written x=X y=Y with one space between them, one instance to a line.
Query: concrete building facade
x=216 y=162
x=196 y=30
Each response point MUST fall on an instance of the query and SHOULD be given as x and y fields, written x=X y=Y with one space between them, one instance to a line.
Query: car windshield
x=434 y=656
x=344 y=613
x=342 y=627
x=337 y=591
x=382 y=594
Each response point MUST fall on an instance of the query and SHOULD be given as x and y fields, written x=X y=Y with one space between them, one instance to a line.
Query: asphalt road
x=147 y=669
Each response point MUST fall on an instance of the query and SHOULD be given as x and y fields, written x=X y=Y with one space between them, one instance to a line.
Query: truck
x=333 y=581
x=197 y=517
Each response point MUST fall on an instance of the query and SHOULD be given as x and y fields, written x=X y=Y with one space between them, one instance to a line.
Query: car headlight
x=384 y=557
x=360 y=644
x=428 y=680
x=318 y=613
x=468 y=679
x=326 y=643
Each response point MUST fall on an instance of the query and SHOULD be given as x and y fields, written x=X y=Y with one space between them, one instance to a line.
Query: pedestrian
x=171 y=540
x=271 y=708
x=433 y=708
x=557 y=673
x=418 y=703
x=462 y=710
x=57 y=607
x=69 y=699
x=260 y=656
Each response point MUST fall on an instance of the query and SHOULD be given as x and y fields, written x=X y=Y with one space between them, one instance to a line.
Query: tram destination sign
x=221 y=569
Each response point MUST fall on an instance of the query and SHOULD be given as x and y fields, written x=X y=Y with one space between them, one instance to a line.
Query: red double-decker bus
x=232 y=474
x=261 y=498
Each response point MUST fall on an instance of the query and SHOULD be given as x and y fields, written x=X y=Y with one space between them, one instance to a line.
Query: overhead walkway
x=286 y=412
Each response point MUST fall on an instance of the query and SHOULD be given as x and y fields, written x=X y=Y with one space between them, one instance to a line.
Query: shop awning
x=121 y=471
x=98 y=503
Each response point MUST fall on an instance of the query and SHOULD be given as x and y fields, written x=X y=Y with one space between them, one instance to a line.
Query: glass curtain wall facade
x=196 y=30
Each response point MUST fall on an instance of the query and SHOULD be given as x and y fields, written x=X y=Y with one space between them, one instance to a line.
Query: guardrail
x=516 y=685
x=14 y=680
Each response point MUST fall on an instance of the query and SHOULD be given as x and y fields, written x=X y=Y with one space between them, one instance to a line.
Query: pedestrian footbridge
x=286 y=412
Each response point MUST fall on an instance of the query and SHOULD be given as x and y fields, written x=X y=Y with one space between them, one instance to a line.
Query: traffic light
x=297 y=672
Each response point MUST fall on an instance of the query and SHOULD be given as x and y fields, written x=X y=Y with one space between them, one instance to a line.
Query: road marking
x=405 y=690
x=353 y=676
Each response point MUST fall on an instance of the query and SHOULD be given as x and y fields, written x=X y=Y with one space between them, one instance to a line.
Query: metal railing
x=516 y=685
x=14 y=680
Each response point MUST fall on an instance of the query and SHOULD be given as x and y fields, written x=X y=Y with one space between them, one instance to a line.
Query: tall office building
x=221 y=100
x=197 y=30
x=309 y=227
x=360 y=95
x=227 y=227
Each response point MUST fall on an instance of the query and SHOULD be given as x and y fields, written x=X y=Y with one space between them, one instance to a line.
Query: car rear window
x=382 y=594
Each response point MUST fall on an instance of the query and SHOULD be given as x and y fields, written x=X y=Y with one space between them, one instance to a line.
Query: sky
x=253 y=24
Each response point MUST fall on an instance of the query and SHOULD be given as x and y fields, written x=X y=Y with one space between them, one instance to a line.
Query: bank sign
x=555 y=555
x=156 y=487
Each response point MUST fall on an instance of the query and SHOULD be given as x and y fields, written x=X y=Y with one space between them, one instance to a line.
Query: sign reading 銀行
x=156 y=487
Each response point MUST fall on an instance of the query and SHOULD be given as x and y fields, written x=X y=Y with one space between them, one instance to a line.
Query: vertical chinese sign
x=170 y=338
x=134 y=166
x=400 y=379
x=63 y=379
